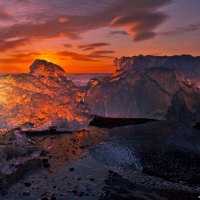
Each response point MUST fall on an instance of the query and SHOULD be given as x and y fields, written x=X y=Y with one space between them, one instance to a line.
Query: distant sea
x=83 y=79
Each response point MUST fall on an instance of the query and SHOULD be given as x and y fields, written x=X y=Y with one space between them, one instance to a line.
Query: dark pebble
x=26 y=193
x=81 y=194
x=27 y=184
x=45 y=198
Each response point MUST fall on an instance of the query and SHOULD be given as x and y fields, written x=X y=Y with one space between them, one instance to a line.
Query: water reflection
x=68 y=147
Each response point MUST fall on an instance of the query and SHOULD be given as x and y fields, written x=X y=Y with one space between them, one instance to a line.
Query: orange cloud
x=63 y=19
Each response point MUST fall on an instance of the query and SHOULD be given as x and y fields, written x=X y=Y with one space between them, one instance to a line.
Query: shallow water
x=79 y=164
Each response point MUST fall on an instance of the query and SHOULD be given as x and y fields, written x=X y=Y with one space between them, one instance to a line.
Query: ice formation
x=149 y=87
x=40 y=98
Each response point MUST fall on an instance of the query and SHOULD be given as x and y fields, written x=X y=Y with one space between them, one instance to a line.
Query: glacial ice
x=149 y=87
x=41 y=98
x=159 y=87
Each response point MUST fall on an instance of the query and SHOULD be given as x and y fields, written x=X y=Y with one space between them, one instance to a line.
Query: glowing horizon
x=85 y=36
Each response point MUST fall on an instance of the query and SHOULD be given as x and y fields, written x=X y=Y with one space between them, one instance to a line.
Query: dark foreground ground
x=148 y=160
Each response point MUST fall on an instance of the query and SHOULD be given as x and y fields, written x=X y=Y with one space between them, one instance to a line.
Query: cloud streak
x=140 y=25
x=182 y=30
x=88 y=47
x=20 y=58
x=91 y=57
x=13 y=44
x=113 y=33
x=139 y=18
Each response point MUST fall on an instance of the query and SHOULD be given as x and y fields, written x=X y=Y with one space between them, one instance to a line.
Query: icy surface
x=149 y=87
x=44 y=68
x=40 y=99
x=15 y=150
x=187 y=65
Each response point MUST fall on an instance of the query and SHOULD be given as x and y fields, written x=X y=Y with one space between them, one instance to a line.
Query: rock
x=26 y=193
x=106 y=122
x=81 y=194
x=27 y=184
x=44 y=198
x=71 y=169
x=46 y=163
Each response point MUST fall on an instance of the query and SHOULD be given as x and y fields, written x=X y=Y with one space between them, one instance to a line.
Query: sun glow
x=46 y=56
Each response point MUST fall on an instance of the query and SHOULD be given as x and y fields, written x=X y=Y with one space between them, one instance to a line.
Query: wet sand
x=72 y=166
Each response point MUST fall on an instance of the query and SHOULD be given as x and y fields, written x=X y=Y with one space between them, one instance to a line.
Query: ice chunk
x=35 y=100
x=146 y=87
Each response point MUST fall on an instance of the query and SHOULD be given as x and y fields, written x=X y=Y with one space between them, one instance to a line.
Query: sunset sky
x=85 y=35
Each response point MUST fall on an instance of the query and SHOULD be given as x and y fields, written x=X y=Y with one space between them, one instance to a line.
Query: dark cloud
x=75 y=56
x=182 y=30
x=118 y=33
x=92 y=57
x=93 y=46
x=50 y=18
x=48 y=29
x=12 y=44
x=144 y=36
x=140 y=25
x=103 y=52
